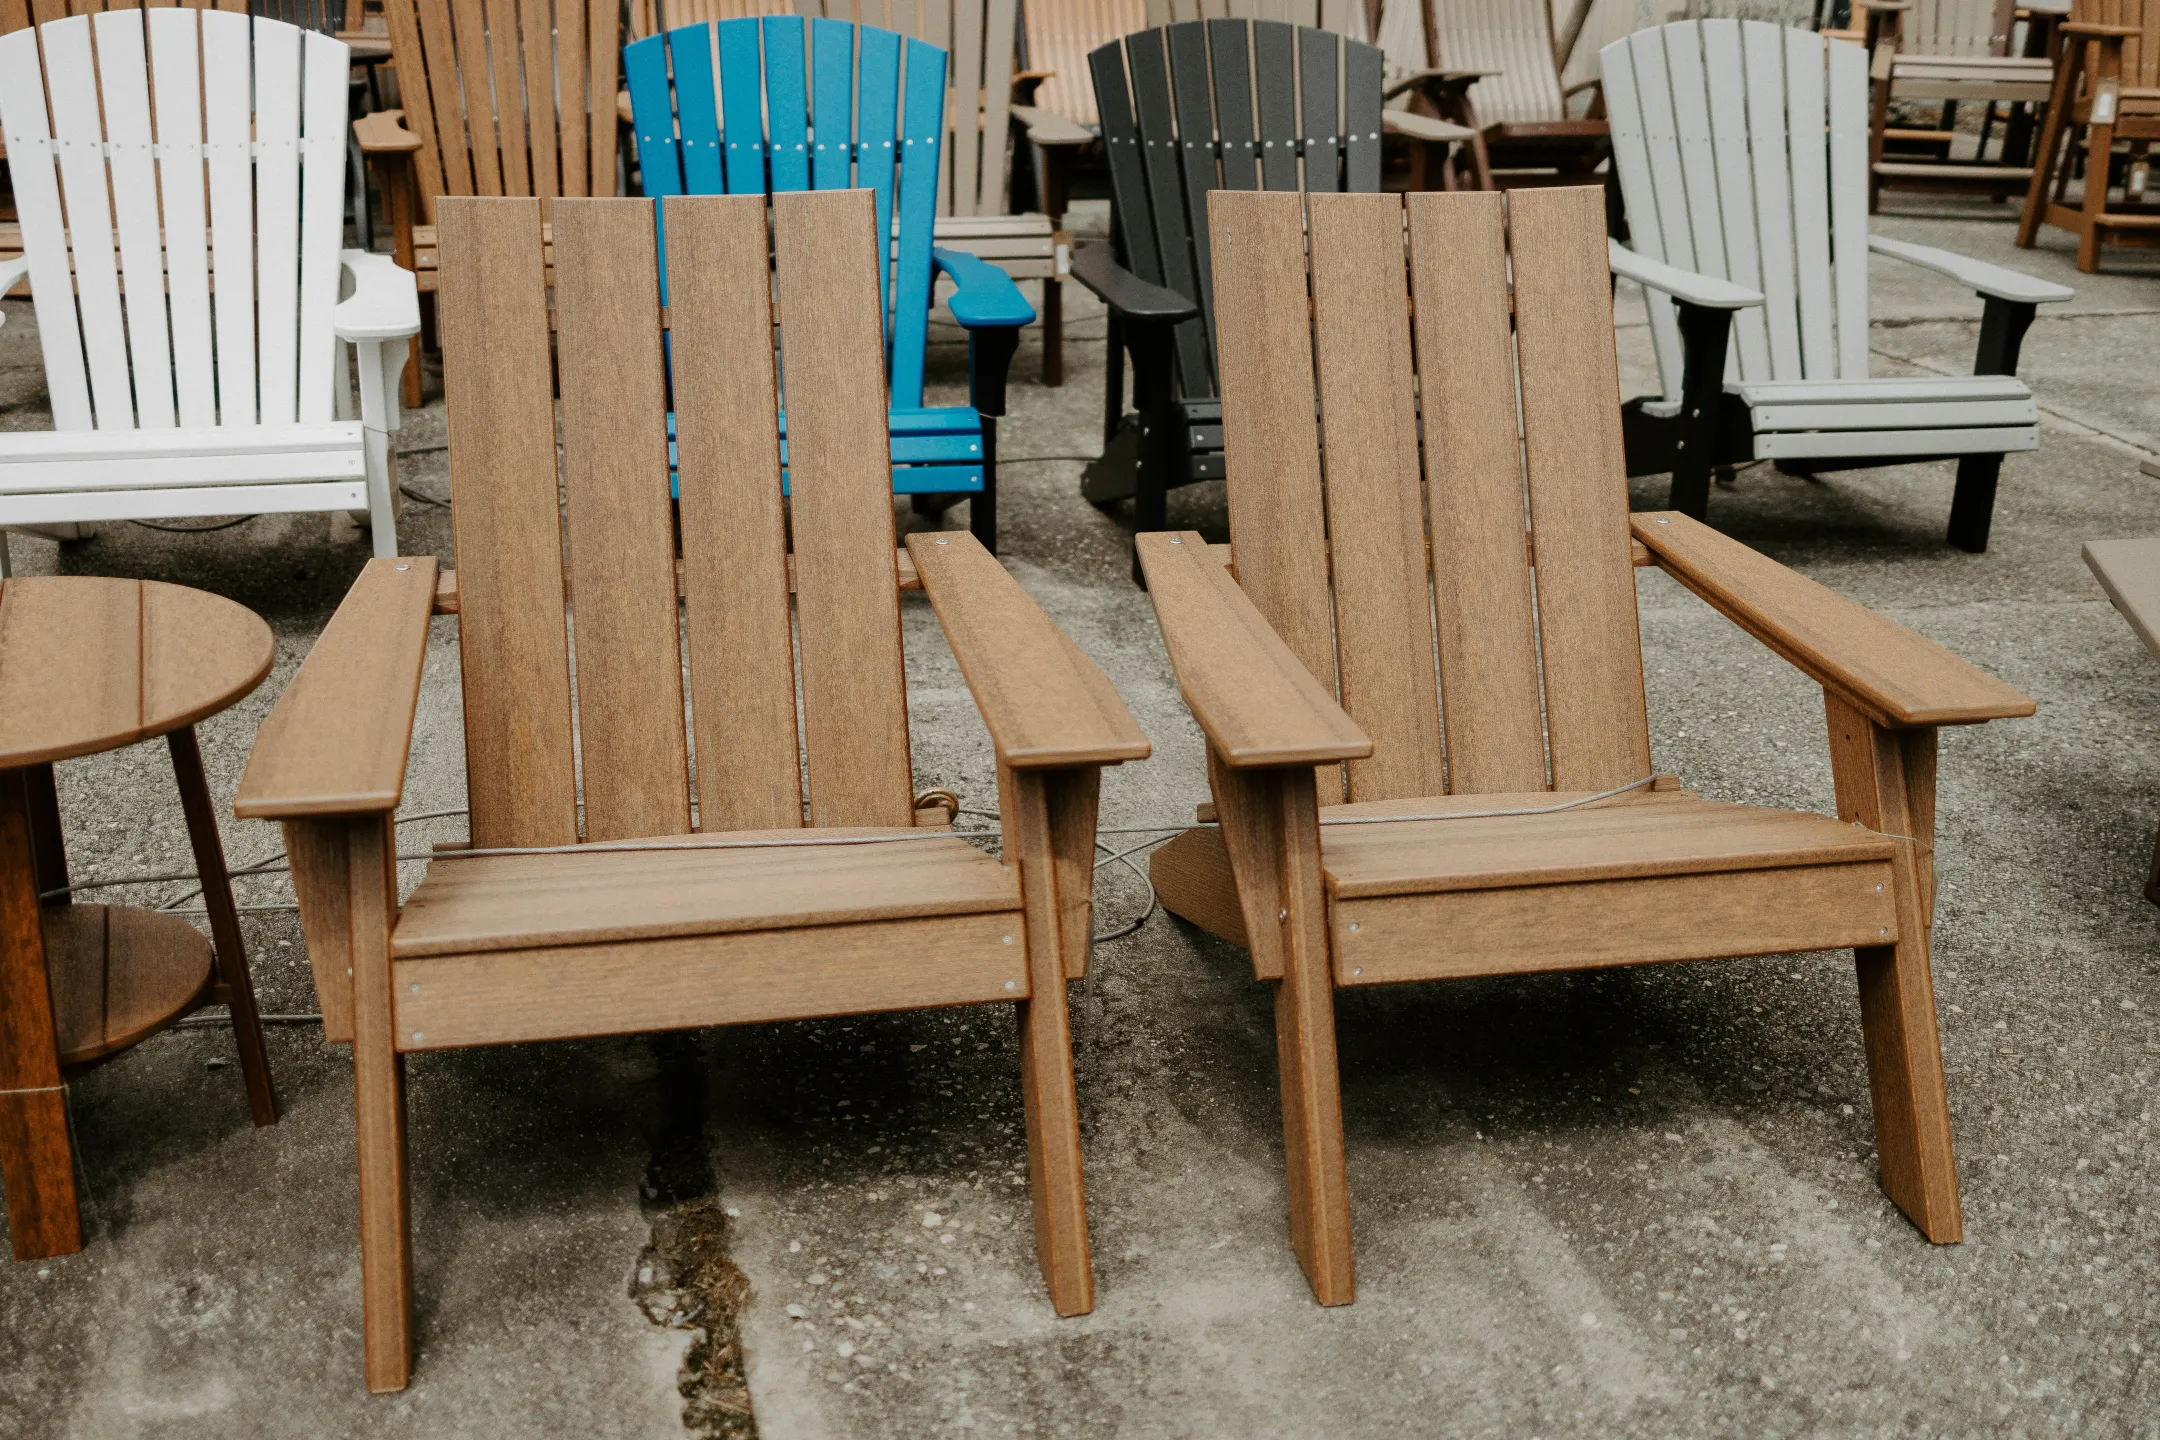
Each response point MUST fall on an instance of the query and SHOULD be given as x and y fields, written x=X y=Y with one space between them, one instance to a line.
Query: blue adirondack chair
x=731 y=107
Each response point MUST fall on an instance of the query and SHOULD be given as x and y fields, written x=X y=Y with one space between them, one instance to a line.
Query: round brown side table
x=88 y=665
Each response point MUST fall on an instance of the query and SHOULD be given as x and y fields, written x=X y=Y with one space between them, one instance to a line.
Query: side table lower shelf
x=119 y=975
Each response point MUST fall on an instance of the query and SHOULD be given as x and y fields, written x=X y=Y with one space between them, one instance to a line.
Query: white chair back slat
x=1741 y=151
x=1772 y=180
x=326 y=67
x=37 y=206
x=124 y=76
x=1646 y=234
x=277 y=220
x=1725 y=79
x=1811 y=203
x=79 y=137
x=228 y=68
x=1849 y=203
x=176 y=61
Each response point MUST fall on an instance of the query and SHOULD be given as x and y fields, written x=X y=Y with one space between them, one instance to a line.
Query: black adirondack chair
x=1180 y=118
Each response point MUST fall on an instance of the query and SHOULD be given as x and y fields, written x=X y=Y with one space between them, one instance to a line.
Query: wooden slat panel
x=573 y=124
x=1271 y=440
x=499 y=394
x=854 y=692
x=604 y=47
x=1375 y=501
x=734 y=526
x=621 y=539
x=496 y=118
x=538 y=102
x=456 y=67
x=417 y=87
x=1595 y=713
x=1473 y=472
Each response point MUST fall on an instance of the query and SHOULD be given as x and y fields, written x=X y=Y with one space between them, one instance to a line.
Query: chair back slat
x=1375 y=495
x=508 y=97
x=1474 y=486
x=1160 y=249
x=1060 y=34
x=72 y=81
x=1538 y=414
x=1596 y=719
x=1343 y=17
x=832 y=71
x=922 y=117
x=37 y=204
x=966 y=159
x=277 y=221
x=734 y=522
x=1192 y=105
x=1320 y=107
x=520 y=775
x=854 y=695
x=877 y=133
x=1275 y=65
x=787 y=103
x=1238 y=143
x=1741 y=150
x=227 y=126
x=123 y=71
x=327 y=67
x=1278 y=522
x=618 y=530
x=1510 y=37
x=176 y=62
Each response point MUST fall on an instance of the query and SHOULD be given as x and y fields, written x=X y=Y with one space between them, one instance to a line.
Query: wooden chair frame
x=754 y=916
x=1349 y=849
x=2107 y=82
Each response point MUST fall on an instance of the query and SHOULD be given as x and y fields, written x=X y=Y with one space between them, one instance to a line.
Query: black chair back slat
x=1275 y=65
x=1361 y=114
x=1320 y=91
x=1152 y=113
x=1233 y=104
x=1196 y=154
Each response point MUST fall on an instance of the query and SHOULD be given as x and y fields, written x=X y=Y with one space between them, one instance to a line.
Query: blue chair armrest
x=987 y=297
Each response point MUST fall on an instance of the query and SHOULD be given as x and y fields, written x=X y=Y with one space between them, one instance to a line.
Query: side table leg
x=37 y=1162
x=232 y=966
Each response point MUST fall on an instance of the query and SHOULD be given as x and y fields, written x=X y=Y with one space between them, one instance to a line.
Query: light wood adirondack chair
x=534 y=935
x=2107 y=84
x=990 y=121
x=1749 y=236
x=182 y=406
x=1351 y=848
x=702 y=129
x=1279 y=106
x=1059 y=35
x=490 y=107
x=1496 y=70
x=1952 y=51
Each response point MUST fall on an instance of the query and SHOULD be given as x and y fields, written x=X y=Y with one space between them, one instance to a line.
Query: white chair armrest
x=12 y=270
x=385 y=303
x=1994 y=281
x=1704 y=290
x=1422 y=127
x=1047 y=127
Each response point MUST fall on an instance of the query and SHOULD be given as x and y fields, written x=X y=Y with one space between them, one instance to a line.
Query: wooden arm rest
x=2092 y=31
x=1259 y=706
x=1895 y=676
x=336 y=742
x=384 y=133
x=1047 y=705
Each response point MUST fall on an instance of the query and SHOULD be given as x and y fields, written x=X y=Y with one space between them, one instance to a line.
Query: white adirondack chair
x=170 y=399
x=1742 y=150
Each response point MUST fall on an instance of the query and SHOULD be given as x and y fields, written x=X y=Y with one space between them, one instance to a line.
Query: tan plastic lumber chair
x=1333 y=863
x=658 y=894
x=1496 y=70
x=490 y=108
x=2106 y=92
x=1949 y=51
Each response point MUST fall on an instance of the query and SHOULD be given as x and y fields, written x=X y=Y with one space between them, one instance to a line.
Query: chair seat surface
x=1628 y=839
x=641 y=892
x=1887 y=403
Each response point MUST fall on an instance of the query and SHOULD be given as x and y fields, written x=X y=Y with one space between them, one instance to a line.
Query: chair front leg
x=1048 y=818
x=1885 y=780
x=1704 y=335
x=400 y=186
x=1270 y=823
x=2048 y=156
x=990 y=353
x=386 y=1288
x=380 y=364
x=2003 y=324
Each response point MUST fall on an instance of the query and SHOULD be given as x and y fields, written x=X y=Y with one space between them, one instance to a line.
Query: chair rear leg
x=1905 y=1070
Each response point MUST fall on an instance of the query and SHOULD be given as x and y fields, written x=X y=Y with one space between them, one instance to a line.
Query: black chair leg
x=982 y=506
x=1704 y=333
x=1972 y=506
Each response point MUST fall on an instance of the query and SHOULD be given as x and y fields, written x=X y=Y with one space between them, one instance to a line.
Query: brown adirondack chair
x=1308 y=869
x=2107 y=85
x=575 y=919
x=1496 y=69
x=490 y=111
